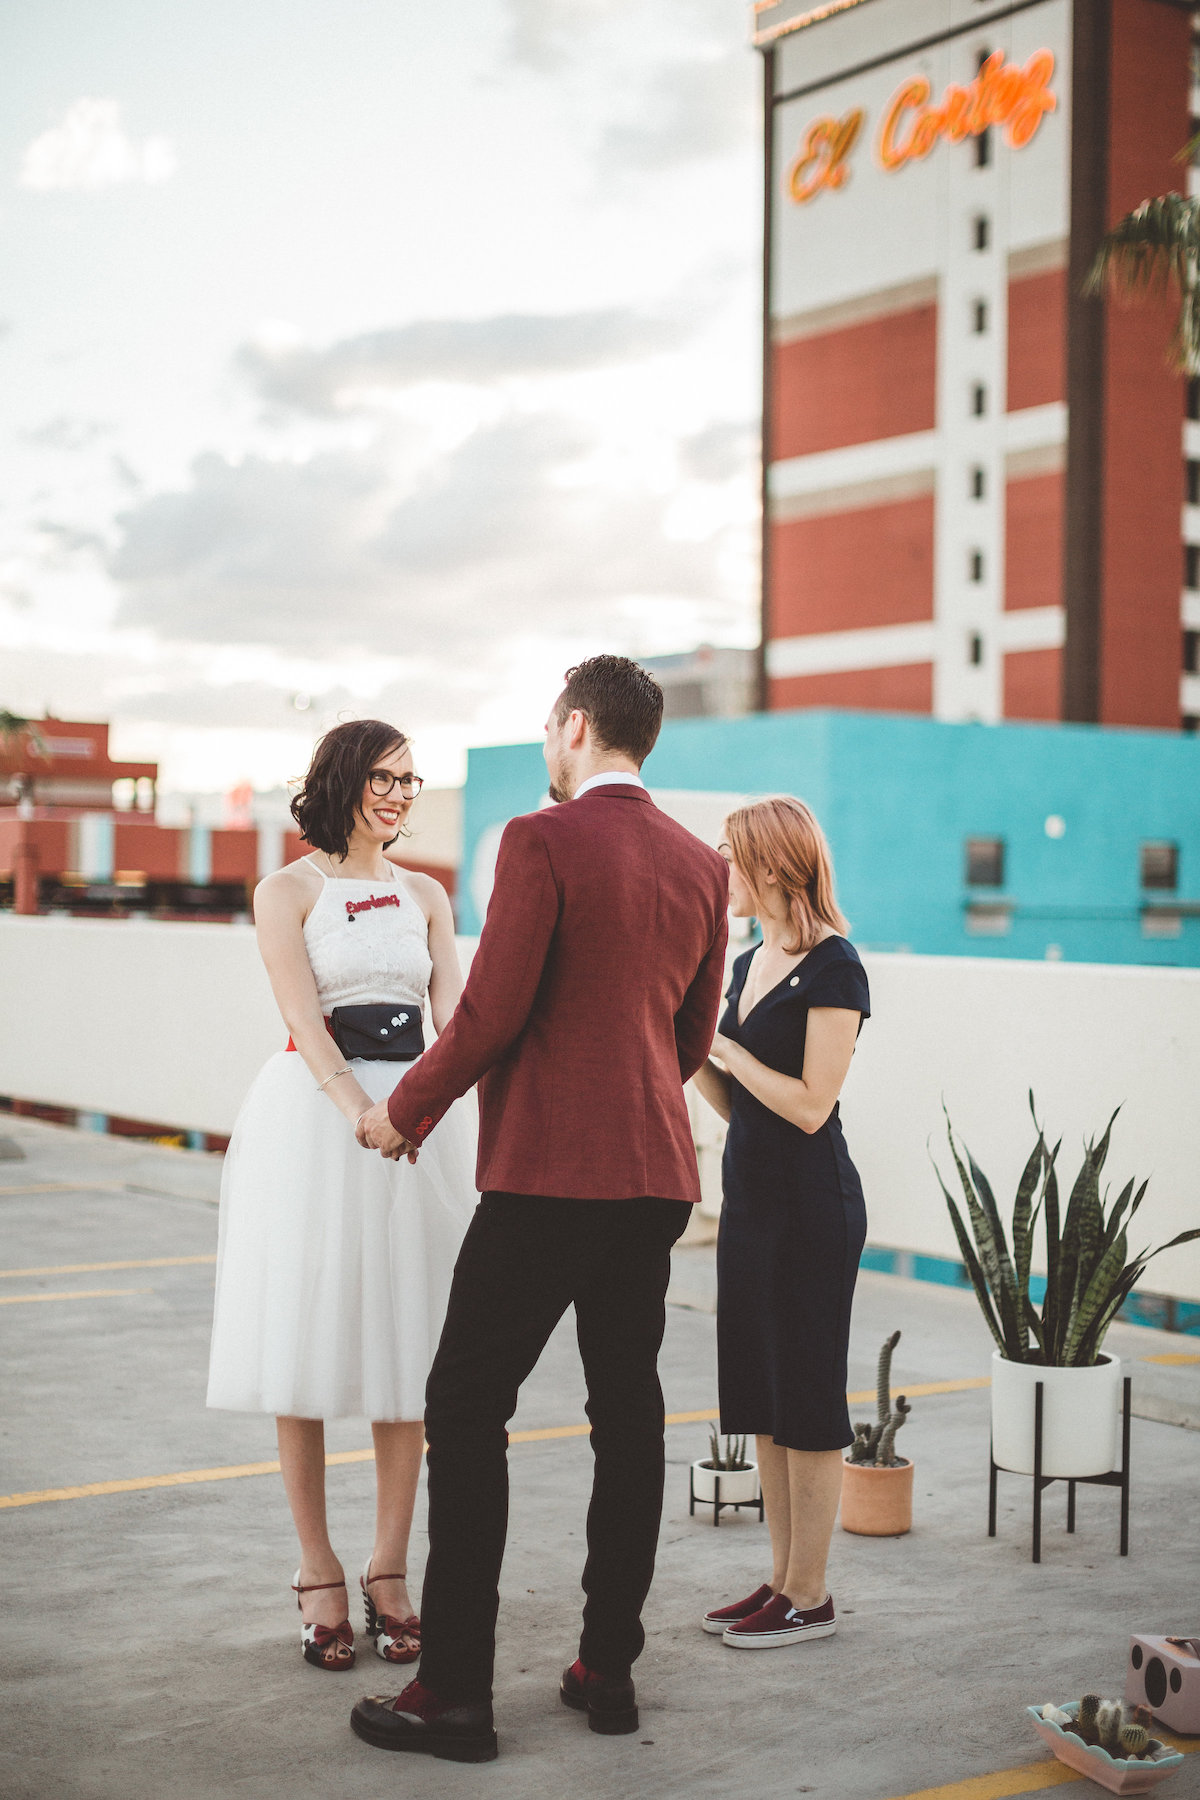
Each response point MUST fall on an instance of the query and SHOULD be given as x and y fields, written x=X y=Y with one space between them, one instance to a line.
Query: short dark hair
x=330 y=796
x=621 y=701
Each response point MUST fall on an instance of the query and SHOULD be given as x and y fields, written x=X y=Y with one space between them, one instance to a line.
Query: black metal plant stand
x=718 y=1504
x=1118 y=1478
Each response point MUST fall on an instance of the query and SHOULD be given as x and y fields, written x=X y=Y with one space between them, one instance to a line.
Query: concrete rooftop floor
x=152 y=1643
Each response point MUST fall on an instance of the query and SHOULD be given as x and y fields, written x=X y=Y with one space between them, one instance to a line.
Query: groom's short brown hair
x=621 y=701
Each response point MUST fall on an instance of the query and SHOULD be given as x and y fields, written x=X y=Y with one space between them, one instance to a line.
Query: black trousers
x=524 y=1260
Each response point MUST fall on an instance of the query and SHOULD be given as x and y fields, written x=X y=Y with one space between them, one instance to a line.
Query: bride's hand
x=721 y=1048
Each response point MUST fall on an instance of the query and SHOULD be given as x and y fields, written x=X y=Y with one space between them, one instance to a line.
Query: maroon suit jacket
x=593 y=997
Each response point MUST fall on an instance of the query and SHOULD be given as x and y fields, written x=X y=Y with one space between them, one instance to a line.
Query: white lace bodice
x=367 y=941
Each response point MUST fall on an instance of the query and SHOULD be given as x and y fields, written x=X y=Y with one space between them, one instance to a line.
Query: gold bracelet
x=333 y=1077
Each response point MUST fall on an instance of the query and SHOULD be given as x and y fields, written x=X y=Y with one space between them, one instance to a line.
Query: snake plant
x=1089 y=1272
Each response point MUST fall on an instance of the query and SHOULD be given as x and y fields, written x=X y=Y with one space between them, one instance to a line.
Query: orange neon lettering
x=1001 y=94
x=914 y=93
x=821 y=162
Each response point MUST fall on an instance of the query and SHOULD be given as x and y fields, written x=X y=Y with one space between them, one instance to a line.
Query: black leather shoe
x=416 y=1720
x=610 y=1705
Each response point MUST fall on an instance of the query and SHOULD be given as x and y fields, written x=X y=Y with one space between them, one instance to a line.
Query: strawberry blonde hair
x=780 y=836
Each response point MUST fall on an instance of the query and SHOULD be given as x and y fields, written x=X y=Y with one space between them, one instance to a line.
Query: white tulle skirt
x=333 y=1265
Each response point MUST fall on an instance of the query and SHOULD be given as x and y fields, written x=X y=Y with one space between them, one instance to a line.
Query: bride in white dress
x=333 y=1263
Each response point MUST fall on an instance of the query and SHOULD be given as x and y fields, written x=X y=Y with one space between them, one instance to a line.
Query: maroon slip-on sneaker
x=779 y=1623
x=722 y=1617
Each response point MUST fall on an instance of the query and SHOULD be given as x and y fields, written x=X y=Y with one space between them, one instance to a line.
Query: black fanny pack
x=388 y=1032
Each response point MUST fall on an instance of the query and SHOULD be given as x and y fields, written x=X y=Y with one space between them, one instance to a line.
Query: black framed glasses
x=382 y=782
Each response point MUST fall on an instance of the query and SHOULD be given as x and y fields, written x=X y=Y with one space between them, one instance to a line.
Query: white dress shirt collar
x=611 y=778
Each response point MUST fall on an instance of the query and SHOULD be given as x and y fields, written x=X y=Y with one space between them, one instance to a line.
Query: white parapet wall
x=169 y=1022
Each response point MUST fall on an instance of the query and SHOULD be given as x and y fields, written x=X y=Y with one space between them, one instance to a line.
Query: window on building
x=1193 y=398
x=1191 y=483
x=975 y=565
x=1191 y=565
x=983 y=149
x=985 y=862
x=978 y=483
x=1160 y=866
x=981 y=232
x=979 y=317
x=1191 y=652
x=975 y=648
x=1189 y=724
x=978 y=399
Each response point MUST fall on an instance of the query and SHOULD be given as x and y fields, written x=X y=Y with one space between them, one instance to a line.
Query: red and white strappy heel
x=324 y=1646
x=386 y=1631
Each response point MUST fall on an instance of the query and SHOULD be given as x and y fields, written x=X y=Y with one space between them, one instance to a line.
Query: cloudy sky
x=377 y=357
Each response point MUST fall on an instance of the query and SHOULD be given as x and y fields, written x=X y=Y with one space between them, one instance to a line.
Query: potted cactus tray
x=1137 y=1762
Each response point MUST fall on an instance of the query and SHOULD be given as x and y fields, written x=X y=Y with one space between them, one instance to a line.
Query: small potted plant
x=724 y=1477
x=1089 y=1273
x=876 y=1483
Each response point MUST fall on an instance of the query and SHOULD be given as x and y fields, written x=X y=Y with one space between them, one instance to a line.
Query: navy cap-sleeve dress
x=793 y=1225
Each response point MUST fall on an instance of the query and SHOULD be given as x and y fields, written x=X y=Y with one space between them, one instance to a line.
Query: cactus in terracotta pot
x=874 y=1444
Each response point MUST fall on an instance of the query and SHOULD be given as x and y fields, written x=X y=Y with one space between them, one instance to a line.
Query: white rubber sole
x=776 y=1640
x=714 y=1627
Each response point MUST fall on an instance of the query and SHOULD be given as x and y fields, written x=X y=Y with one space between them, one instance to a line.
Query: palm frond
x=1149 y=250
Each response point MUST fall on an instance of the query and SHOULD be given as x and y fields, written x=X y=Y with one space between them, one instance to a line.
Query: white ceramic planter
x=1080 y=1414
x=739 y=1487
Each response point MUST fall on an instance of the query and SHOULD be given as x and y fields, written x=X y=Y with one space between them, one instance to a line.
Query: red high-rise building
x=981 y=488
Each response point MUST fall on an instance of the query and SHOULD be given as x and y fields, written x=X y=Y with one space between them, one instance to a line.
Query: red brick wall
x=1139 y=627
x=1033 y=543
x=1033 y=684
x=1037 y=339
x=906 y=689
x=844 y=571
x=160 y=853
x=851 y=386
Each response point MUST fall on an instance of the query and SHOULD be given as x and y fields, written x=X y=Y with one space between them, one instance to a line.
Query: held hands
x=375 y=1131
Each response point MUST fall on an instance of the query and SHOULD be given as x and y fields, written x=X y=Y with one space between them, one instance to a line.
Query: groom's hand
x=375 y=1131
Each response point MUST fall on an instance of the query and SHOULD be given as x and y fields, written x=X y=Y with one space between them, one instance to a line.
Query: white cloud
x=90 y=149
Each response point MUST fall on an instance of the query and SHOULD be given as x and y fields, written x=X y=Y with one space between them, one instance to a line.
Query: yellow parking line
x=186 y=1477
x=1175 y=1357
x=153 y=1262
x=1026 y=1778
x=67 y=1187
x=75 y=1294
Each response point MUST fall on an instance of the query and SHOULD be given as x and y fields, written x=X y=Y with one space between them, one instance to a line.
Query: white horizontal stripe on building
x=881 y=460
x=897 y=646
x=1189 y=610
x=1035 y=427
x=832 y=652
x=1032 y=628
x=1191 y=440
x=1189 y=694
x=1032 y=428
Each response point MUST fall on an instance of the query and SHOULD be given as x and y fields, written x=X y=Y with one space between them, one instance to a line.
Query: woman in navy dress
x=794 y=1222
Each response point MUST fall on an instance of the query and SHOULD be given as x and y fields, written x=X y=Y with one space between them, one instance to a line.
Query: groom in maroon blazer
x=592 y=998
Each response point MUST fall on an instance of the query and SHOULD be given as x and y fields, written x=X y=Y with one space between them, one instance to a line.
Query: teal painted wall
x=899 y=796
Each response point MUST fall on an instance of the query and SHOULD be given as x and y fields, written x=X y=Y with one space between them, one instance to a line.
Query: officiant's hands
x=375 y=1131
